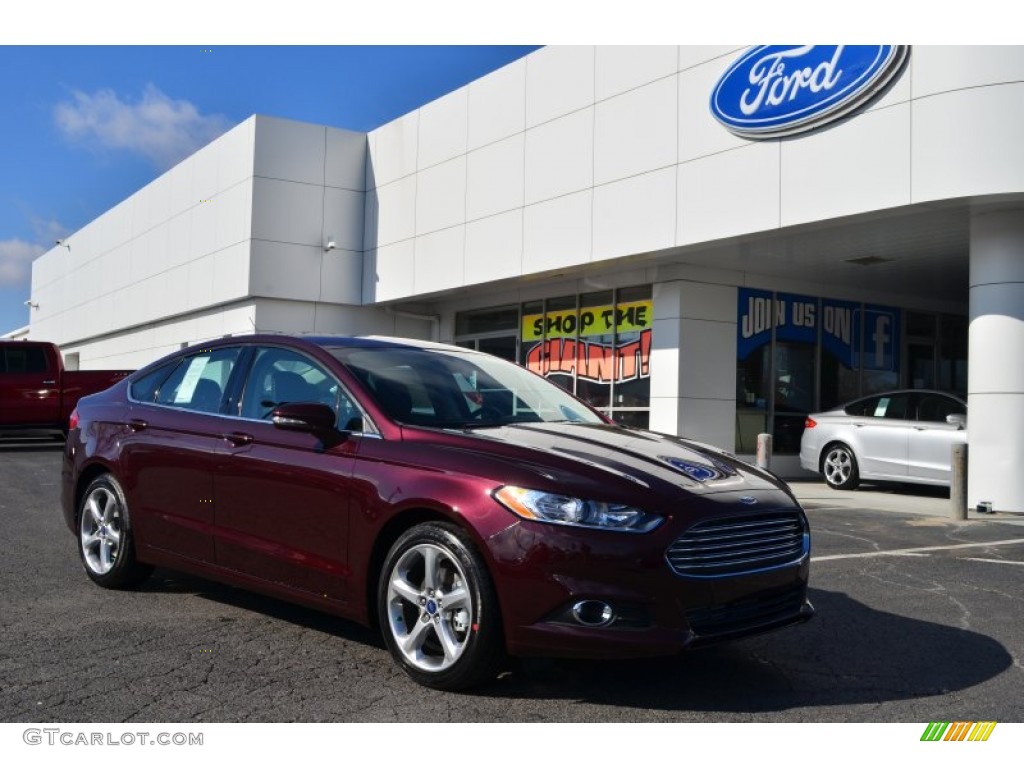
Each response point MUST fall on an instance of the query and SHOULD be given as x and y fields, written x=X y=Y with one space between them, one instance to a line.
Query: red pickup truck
x=36 y=393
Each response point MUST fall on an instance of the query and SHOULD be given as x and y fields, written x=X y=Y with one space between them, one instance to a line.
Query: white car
x=903 y=436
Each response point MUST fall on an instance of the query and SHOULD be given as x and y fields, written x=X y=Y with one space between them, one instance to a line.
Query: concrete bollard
x=958 y=481
x=764 y=451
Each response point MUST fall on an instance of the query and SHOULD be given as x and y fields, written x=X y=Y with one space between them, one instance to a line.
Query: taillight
x=73 y=419
x=810 y=423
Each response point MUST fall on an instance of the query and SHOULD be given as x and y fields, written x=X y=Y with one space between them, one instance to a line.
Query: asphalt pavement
x=919 y=619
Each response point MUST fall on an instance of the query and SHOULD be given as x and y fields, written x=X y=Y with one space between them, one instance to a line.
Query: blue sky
x=86 y=127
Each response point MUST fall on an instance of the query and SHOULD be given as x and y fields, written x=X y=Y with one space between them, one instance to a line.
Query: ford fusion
x=468 y=507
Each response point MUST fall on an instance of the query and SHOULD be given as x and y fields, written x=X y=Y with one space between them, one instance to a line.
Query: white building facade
x=583 y=212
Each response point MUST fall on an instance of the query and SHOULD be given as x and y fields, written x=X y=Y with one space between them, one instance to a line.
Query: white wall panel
x=441 y=196
x=343 y=218
x=494 y=248
x=346 y=160
x=620 y=68
x=729 y=194
x=235 y=154
x=393 y=150
x=203 y=226
x=341 y=277
x=861 y=165
x=289 y=150
x=560 y=157
x=204 y=173
x=495 y=178
x=232 y=210
x=391 y=272
x=968 y=143
x=231 y=272
x=179 y=239
x=180 y=179
x=287 y=212
x=559 y=80
x=556 y=233
x=437 y=263
x=394 y=207
x=443 y=129
x=636 y=132
x=497 y=105
x=699 y=133
x=694 y=55
x=942 y=68
x=635 y=215
x=285 y=270
x=200 y=282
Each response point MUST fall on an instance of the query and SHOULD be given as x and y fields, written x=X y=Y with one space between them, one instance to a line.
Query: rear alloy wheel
x=438 y=610
x=105 y=540
x=839 y=466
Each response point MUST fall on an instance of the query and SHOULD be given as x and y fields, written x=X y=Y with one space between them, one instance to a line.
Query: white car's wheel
x=839 y=466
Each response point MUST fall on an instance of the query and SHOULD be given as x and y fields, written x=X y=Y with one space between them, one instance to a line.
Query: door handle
x=238 y=439
x=858 y=423
x=137 y=425
x=49 y=382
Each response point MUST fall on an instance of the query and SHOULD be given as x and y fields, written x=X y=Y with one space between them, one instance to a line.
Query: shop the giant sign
x=582 y=341
x=797 y=319
x=778 y=90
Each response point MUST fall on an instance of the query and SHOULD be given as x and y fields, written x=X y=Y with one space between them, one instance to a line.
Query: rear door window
x=199 y=381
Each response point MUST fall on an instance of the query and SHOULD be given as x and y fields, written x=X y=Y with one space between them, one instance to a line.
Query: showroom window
x=800 y=354
x=595 y=345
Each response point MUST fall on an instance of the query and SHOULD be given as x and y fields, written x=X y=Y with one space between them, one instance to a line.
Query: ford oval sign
x=779 y=90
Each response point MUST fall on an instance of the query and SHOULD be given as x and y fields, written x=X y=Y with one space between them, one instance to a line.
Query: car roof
x=332 y=341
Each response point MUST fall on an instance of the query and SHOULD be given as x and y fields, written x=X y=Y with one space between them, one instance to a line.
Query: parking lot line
x=992 y=560
x=916 y=550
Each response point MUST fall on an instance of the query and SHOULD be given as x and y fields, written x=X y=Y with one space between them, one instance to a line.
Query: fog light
x=593 y=613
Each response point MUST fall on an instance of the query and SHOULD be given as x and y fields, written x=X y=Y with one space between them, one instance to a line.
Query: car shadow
x=848 y=654
x=907 y=489
x=171 y=582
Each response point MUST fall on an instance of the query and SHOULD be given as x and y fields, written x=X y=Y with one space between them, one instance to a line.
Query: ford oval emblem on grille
x=779 y=90
x=748 y=500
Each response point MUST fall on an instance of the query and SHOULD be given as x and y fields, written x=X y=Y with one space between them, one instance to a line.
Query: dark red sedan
x=468 y=507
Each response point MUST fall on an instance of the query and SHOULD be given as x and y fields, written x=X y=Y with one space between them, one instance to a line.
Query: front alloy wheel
x=438 y=609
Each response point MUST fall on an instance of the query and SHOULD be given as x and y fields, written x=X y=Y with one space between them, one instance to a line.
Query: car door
x=932 y=438
x=882 y=432
x=169 y=450
x=29 y=387
x=283 y=497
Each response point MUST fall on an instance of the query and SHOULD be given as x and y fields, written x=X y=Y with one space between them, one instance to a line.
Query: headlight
x=567 y=510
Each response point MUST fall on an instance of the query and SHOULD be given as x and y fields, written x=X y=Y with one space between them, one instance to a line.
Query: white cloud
x=15 y=259
x=162 y=129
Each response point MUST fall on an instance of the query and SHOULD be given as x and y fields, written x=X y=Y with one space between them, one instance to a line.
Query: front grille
x=735 y=545
x=745 y=616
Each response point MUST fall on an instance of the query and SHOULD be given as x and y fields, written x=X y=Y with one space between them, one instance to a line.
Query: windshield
x=458 y=390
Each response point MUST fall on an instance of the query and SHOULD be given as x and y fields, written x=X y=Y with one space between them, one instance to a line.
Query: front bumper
x=542 y=571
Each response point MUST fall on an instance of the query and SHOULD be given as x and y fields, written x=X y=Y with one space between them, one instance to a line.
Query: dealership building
x=705 y=241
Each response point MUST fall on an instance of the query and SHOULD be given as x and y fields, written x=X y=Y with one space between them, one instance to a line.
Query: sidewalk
x=921 y=500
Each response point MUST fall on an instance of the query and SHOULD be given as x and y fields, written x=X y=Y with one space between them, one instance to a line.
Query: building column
x=693 y=362
x=995 y=380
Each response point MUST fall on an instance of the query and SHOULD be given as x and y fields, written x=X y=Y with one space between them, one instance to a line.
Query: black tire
x=106 y=543
x=416 y=620
x=839 y=467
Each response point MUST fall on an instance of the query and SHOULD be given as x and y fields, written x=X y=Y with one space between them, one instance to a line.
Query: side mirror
x=958 y=420
x=314 y=418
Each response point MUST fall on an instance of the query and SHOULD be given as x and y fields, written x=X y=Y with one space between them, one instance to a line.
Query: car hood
x=618 y=460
